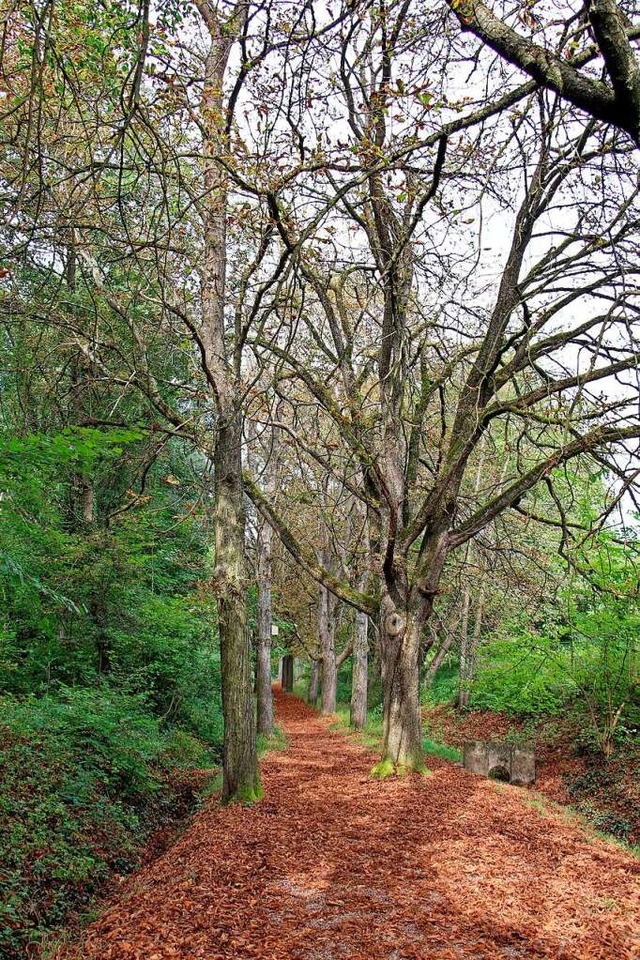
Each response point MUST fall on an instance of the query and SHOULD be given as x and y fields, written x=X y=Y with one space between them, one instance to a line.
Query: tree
x=417 y=376
x=123 y=191
x=222 y=372
x=556 y=63
x=295 y=210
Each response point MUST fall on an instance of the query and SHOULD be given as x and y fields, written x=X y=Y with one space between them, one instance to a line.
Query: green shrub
x=443 y=687
x=607 y=822
x=109 y=667
x=84 y=778
x=527 y=675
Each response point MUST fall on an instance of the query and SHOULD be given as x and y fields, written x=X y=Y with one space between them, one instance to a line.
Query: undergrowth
x=442 y=750
x=276 y=741
x=85 y=779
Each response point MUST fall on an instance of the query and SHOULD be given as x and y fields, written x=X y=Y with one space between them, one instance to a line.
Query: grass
x=277 y=741
x=442 y=750
x=538 y=803
x=371 y=734
x=300 y=688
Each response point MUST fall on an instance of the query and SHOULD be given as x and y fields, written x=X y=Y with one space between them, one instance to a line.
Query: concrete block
x=508 y=762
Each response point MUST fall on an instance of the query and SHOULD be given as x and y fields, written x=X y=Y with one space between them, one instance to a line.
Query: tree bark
x=314 y=683
x=82 y=485
x=87 y=502
x=241 y=779
x=374 y=660
x=359 y=674
x=263 y=652
x=287 y=673
x=467 y=669
x=240 y=764
x=326 y=630
x=465 y=652
x=401 y=630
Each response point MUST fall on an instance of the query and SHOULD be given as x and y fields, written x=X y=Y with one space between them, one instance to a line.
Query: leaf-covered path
x=332 y=864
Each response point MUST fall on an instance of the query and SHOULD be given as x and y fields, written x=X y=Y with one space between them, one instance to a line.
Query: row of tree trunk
x=323 y=675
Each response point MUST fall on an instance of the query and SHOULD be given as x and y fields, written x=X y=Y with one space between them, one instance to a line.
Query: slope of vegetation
x=567 y=680
x=109 y=672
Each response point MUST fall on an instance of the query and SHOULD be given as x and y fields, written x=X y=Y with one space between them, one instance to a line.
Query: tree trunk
x=241 y=780
x=263 y=652
x=287 y=673
x=314 y=683
x=465 y=651
x=326 y=629
x=402 y=729
x=374 y=683
x=359 y=674
x=82 y=486
x=87 y=501
x=471 y=647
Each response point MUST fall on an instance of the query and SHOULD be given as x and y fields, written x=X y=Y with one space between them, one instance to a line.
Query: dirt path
x=332 y=864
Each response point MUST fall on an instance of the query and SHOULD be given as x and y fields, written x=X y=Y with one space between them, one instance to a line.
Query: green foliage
x=443 y=688
x=579 y=653
x=606 y=821
x=84 y=778
x=343 y=690
x=109 y=667
x=375 y=694
x=441 y=750
x=525 y=674
x=121 y=601
x=277 y=741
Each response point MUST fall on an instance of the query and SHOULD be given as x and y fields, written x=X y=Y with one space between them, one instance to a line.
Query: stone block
x=508 y=762
x=523 y=765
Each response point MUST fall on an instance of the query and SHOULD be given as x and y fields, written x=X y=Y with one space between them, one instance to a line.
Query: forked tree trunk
x=359 y=674
x=401 y=626
x=241 y=779
x=404 y=614
x=263 y=651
